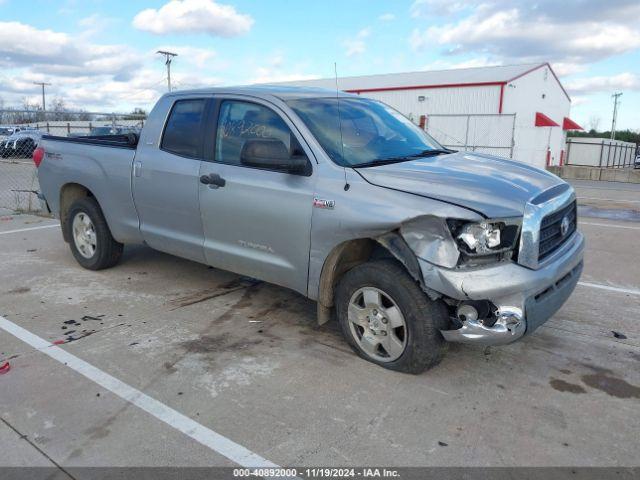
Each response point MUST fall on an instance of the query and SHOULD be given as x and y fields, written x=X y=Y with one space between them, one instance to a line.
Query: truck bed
x=100 y=164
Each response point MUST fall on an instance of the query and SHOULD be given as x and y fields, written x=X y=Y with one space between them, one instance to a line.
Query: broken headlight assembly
x=489 y=239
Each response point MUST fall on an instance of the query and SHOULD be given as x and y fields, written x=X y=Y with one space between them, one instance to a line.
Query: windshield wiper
x=433 y=153
x=405 y=158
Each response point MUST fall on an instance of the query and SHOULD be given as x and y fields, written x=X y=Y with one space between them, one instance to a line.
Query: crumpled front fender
x=430 y=239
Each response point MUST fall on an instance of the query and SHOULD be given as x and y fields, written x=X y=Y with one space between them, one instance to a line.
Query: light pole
x=168 y=57
x=615 y=114
x=42 y=84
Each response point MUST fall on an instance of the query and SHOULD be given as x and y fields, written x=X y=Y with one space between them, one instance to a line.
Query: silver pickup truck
x=340 y=198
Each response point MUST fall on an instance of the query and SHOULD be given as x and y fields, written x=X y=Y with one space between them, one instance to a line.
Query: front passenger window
x=239 y=122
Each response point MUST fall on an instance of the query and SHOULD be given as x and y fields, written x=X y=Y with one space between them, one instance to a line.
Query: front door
x=257 y=222
x=166 y=183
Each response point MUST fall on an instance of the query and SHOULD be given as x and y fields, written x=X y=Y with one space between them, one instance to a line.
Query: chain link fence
x=485 y=133
x=601 y=153
x=20 y=133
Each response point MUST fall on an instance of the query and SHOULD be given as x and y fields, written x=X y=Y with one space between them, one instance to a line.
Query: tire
x=422 y=345
x=96 y=249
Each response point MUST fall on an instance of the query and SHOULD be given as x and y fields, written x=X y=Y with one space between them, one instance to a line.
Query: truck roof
x=283 y=92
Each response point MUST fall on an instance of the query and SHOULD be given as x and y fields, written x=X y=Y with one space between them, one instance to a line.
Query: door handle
x=137 y=169
x=213 y=180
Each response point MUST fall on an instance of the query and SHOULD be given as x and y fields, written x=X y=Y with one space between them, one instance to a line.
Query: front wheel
x=387 y=319
x=90 y=238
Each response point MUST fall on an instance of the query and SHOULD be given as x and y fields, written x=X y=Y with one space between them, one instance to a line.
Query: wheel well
x=69 y=193
x=352 y=253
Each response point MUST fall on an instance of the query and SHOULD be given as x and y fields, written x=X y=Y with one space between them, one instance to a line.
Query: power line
x=615 y=114
x=168 y=58
x=42 y=84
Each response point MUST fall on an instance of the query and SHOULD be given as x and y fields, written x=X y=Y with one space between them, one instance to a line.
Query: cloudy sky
x=100 y=54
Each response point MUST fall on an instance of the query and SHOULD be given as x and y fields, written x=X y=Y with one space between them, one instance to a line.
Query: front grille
x=551 y=237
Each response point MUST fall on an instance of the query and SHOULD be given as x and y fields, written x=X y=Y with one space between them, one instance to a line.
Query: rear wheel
x=91 y=241
x=387 y=319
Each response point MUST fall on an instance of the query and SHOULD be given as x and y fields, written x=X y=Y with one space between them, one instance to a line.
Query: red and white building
x=518 y=111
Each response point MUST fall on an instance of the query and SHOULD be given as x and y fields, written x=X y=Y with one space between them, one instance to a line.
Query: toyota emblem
x=564 y=225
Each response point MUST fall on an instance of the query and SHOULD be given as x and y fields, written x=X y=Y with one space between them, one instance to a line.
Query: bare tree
x=59 y=108
x=82 y=115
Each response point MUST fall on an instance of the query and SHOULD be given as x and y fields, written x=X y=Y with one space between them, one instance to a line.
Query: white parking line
x=616 y=200
x=630 y=291
x=216 y=442
x=29 y=229
x=609 y=225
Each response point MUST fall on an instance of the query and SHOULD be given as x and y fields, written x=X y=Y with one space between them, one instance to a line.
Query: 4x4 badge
x=322 y=203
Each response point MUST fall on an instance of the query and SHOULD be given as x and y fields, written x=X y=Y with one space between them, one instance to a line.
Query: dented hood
x=490 y=185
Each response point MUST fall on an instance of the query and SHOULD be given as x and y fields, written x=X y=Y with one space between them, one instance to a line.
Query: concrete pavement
x=246 y=361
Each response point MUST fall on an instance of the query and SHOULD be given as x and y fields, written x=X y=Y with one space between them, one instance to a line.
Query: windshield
x=371 y=131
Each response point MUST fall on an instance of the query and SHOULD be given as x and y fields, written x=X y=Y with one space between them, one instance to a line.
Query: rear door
x=257 y=222
x=166 y=182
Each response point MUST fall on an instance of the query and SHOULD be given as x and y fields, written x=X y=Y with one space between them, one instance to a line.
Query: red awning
x=568 y=124
x=543 y=121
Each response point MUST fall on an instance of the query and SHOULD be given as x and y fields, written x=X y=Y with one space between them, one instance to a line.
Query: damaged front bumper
x=509 y=326
x=524 y=298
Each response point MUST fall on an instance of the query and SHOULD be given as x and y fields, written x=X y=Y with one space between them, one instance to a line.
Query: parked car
x=21 y=144
x=339 y=198
x=636 y=163
x=5 y=132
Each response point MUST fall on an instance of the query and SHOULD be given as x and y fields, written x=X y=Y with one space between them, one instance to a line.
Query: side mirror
x=271 y=154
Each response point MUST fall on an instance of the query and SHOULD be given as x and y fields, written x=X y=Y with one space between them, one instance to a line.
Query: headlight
x=485 y=238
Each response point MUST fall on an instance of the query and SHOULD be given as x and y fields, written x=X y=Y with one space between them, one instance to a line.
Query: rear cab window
x=183 y=130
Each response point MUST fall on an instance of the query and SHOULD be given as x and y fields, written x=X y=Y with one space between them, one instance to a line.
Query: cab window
x=183 y=131
x=241 y=121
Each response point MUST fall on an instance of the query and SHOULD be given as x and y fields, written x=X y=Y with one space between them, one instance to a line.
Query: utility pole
x=615 y=114
x=42 y=84
x=168 y=57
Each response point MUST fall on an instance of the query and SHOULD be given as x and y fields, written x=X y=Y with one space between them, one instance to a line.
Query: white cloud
x=387 y=17
x=578 y=100
x=85 y=74
x=277 y=69
x=49 y=52
x=142 y=89
x=194 y=16
x=425 y=8
x=622 y=81
x=357 y=45
x=564 y=69
x=20 y=41
x=570 y=33
x=182 y=81
x=96 y=23
x=94 y=76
